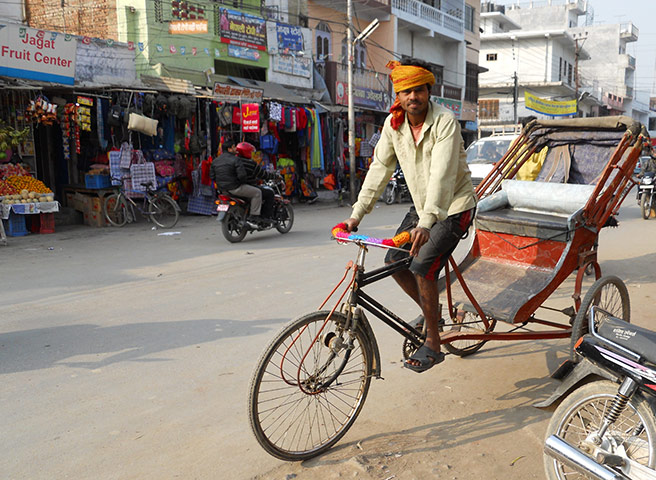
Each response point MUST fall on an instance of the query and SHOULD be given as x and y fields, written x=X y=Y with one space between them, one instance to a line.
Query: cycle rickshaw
x=528 y=236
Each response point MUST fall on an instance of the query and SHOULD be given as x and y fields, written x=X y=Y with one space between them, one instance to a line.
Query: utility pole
x=577 y=85
x=351 y=114
x=515 y=96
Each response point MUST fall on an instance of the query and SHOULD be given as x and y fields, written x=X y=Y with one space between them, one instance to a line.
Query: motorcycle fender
x=220 y=216
x=577 y=375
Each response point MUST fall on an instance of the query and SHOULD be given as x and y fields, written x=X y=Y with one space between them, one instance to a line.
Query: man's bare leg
x=408 y=283
x=428 y=296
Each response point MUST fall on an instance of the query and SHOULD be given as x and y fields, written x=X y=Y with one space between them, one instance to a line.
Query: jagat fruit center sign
x=37 y=54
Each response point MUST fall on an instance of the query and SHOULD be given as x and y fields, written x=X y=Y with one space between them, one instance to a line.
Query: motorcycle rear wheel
x=581 y=414
x=233 y=225
x=608 y=293
x=285 y=218
x=645 y=206
x=389 y=196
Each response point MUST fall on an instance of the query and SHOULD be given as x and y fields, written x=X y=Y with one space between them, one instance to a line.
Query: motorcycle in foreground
x=606 y=427
x=646 y=194
x=397 y=188
x=233 y=214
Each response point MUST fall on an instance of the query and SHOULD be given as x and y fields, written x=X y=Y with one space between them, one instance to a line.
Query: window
x=569 y=73
x=491 y=57
x=471 y=83
x=323 y=40
x=359 y=55
x=560 y=68
x=488 y=109
x=469 y=18
x=169 y=10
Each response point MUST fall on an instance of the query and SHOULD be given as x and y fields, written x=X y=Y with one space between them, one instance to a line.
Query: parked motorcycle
x=233 y=214
x=606 y=427
x=396 y=189
x=646 y=194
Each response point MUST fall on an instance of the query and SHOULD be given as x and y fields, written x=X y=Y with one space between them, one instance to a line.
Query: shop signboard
x=288 y=45
x=299 y=67
x=242 y=29
x=362 y=97
x=550 y=107
x=99 y=64
x=187 y=27
x=250 y=117
x=454 y=105
x=37 y=54
x=244 y=53
x=236 y=93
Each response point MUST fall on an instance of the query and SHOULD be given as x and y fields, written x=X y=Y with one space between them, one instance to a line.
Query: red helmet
x=245 y=150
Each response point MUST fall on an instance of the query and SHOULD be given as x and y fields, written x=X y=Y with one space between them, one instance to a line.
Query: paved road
x=125 y=354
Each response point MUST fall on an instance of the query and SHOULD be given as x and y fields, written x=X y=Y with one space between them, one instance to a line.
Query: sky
x=642 y=13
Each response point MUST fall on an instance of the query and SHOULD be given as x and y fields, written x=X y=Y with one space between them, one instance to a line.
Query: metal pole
x=351 y=115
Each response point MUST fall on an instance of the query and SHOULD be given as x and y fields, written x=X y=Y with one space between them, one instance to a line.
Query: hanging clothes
x=275 y=112
x=317 y=152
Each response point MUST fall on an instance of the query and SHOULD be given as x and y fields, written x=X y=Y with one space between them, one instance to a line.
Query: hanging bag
x=142 y=172
x=126 y=155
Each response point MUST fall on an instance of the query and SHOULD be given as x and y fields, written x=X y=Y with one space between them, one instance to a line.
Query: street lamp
x=351 y=116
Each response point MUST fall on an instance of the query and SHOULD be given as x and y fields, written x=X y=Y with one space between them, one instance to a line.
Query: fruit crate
x=43 y=223
x=97 y=181
x=15 y=225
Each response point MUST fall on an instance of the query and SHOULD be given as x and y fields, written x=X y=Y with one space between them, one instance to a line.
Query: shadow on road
x=101 y=346
x=439 y=435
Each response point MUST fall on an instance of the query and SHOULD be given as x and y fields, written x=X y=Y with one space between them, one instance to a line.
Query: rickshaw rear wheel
x=467 y=323
x=608 y=293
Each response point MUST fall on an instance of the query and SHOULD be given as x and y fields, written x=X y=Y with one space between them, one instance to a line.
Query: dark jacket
x=230 y=171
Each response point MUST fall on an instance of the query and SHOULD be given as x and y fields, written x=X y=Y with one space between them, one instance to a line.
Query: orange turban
x=403 y=78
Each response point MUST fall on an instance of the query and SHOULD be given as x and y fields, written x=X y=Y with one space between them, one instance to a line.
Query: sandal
x=427 y=358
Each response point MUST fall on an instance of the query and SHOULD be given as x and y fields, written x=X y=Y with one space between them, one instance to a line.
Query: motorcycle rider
x=648 y=164
x=235 y=172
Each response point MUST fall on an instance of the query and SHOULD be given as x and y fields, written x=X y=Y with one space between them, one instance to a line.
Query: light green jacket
x=436 y=169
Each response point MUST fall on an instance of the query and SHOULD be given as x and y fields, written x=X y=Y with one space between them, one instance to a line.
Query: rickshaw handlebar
x=340 y=233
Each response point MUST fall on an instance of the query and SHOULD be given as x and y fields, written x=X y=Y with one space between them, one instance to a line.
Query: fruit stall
x=26 y=204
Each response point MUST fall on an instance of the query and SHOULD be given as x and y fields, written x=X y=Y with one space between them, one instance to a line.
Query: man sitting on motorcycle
x=235 y=172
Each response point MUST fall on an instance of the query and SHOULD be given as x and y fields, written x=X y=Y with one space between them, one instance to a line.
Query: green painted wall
x=138 y=22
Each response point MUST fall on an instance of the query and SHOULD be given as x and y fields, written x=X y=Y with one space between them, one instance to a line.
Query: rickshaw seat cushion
x=532 y=209
x=523 y=224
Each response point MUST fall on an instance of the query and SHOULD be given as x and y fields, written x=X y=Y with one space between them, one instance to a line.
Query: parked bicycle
x=158 y=207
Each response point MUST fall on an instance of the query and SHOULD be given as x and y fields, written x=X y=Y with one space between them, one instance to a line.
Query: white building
x=535 y=61
x=604 y=84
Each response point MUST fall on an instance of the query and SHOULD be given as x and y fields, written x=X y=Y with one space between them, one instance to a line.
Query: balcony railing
x=628 y=61
x=447 y=91
x=431 y=17
x=629 y=30
x=362 y=77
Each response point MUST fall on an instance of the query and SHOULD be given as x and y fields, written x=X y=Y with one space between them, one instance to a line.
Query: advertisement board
x=37 y=54
x=242 y=29
x=362 y=97
x=454 y=105
x=250 y=117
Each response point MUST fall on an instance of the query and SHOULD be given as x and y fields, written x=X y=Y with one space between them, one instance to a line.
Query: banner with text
x=250 y=117
x=235 y=93
x=187 y=27
x=242 y=29
x=37 y=54
x=550 y=107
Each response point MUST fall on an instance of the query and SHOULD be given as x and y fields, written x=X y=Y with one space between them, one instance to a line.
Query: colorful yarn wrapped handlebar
x=340 y=233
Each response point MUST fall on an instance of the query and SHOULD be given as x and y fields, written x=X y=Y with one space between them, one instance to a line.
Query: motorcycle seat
x=637 y=339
